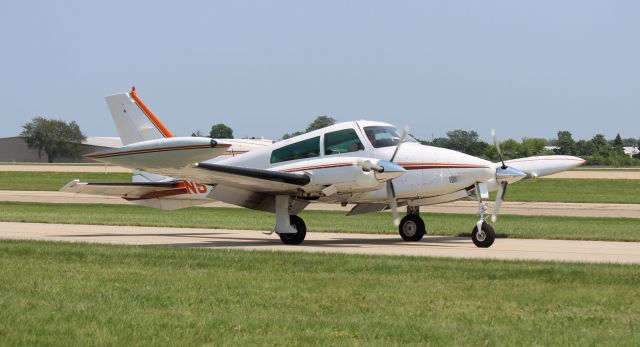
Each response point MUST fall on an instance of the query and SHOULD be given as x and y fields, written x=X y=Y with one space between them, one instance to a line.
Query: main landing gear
x=297 y=238
x=290 y=228
x=412 y=226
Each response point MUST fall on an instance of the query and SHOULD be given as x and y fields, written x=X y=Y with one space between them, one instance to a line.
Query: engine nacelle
x=344 y=174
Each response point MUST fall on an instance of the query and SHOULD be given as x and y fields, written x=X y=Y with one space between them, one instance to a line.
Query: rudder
x=134 y=120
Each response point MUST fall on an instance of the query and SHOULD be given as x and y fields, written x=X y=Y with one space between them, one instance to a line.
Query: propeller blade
x=502 y=190
x=393 y=204
x=403 y=135
x=497 y=144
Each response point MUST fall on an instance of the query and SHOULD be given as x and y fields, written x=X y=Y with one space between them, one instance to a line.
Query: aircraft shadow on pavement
x=222 y=239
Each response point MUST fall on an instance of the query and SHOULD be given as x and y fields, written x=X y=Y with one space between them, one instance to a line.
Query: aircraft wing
x=256 y=180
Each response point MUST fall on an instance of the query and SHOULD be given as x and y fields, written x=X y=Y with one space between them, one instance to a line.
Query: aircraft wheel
x=485 y=237
x=297 y=238
x=412 y=228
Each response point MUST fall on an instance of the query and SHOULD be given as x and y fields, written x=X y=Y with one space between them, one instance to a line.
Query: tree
x=196 y=133
x=618 y=146
x=510 y=148
x=293 y=134
x=221 y=131
x=601 y=146
x=532 y=146
x=566 y=144
x=466 y=142
x=320 y=122
x=629 y=142
x=56 y=138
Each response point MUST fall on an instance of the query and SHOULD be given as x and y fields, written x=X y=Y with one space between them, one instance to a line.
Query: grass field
x=80 y=294
x=53 y=180
x=542 y=190
x=575 y=190
x=569 y=228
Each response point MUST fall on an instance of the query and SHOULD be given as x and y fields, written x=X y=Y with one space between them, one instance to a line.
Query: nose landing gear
x=484 y=237
x=412 y=226
x=482 y=234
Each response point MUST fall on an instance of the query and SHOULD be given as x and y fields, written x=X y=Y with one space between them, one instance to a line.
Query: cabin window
x=342 y=141
x=304 y=149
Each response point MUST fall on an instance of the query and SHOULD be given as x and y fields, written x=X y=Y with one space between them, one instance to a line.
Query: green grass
x=53 y=180
x=575 y=190
x=81 y=294
x=569 y=228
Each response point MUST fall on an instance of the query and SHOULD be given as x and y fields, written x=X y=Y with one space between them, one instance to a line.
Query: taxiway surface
x=430 y=246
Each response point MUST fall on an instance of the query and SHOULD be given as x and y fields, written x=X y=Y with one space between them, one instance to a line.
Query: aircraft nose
x=389 y=171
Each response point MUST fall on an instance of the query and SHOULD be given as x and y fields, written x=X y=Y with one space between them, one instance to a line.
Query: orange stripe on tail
x=152 y=117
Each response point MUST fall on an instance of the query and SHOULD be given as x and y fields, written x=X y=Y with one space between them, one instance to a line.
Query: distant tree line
x=223 y=131
x=318 y=123
x=57 y=138
x=597 y=151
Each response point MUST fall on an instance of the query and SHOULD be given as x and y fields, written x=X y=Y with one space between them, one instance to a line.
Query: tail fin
x=134 y=120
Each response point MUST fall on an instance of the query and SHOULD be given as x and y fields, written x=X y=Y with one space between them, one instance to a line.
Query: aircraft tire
x=412 y=228
x=297 y=238
x=485 y=238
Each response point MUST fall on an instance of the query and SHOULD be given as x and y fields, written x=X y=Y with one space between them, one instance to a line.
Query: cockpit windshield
x=381 y=136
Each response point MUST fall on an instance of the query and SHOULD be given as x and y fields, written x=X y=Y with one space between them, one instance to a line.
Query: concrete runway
x=430 y=246
x=460 y=207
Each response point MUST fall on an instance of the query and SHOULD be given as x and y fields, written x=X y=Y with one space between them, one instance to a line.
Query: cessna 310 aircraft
x=365 y=163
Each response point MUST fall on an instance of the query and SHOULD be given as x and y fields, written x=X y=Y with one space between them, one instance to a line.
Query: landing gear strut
x=291 y=229
x=412 y=227
x=482 y=234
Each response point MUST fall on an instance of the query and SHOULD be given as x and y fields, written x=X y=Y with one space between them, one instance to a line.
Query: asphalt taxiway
x=430 y=246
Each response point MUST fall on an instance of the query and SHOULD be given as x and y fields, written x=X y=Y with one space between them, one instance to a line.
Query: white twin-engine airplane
x=368 y=164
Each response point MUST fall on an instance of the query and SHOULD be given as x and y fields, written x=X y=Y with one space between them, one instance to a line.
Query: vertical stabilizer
x=134 y=120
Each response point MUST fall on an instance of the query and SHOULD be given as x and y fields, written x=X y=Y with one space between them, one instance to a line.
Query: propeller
x=504 y=175
x=497 y=144
x=391 y=192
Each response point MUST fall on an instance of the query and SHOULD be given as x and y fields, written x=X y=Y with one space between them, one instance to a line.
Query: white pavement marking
x=430 y=246
x=459 y=207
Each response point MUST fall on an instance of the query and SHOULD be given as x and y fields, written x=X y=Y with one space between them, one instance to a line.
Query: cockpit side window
x=382 y=136
x=304 y=149
x=342 y=141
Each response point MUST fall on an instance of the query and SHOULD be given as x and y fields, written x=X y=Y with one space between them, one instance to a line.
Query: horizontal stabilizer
x=162 y=195
x=173 y=152
x=127 y=190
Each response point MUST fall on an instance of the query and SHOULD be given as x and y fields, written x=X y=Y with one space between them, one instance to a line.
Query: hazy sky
x=526 y=68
